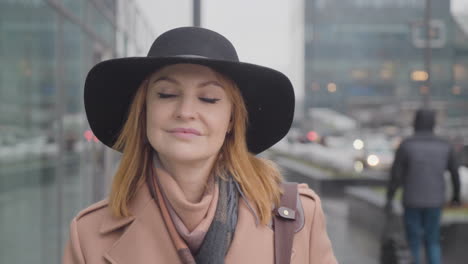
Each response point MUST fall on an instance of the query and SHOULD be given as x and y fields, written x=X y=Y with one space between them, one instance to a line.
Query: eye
x=209 y=100
x=166 y=95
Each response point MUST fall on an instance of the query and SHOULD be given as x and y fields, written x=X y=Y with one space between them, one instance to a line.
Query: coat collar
x=136 y=206
x=142 y=236
x=141 y=199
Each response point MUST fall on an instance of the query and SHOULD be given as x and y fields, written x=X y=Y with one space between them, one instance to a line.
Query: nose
x=186 y=108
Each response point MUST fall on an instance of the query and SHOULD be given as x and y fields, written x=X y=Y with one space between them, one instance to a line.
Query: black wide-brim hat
x=268 y=94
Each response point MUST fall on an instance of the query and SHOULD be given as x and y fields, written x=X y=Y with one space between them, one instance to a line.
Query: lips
x=185 y=131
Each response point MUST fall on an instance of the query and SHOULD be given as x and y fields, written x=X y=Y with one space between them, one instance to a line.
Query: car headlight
x=373 y=160
x=358 y=166
x=358 y=144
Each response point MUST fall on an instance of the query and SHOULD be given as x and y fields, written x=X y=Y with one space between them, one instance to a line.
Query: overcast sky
x=254 y=27
x=460 y=6
x=264 y=32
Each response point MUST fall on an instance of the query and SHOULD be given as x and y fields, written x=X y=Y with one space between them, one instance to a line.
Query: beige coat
x=98 y=237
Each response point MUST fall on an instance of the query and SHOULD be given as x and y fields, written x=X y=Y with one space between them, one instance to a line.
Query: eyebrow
x=215 y=83
x=167 y=79
x=174 y=81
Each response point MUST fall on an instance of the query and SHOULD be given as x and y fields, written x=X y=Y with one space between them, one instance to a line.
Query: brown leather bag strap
x=284 y=223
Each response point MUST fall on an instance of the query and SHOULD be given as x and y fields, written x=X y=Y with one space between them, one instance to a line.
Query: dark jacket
x=420 y=163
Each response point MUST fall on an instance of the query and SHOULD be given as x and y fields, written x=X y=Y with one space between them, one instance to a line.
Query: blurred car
x=297 y=135
x=19 y=144
x=377 y=152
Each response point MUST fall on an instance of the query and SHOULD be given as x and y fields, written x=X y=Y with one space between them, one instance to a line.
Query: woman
x=188 y=119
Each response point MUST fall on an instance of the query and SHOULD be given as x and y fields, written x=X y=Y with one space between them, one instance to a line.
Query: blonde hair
x=258 y=178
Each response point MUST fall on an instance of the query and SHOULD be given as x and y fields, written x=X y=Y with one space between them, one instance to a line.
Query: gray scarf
x=221 y=232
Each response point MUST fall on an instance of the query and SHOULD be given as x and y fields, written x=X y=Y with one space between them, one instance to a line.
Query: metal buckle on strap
x=286 y=213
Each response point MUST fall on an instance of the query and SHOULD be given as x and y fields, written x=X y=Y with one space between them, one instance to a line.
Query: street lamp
x=427 y=53
x=196 y=13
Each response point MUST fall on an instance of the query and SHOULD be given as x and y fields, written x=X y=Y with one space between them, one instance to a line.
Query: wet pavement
x=351 y=243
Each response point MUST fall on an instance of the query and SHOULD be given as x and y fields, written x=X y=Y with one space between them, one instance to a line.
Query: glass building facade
x=50 y=163
x=367 y=58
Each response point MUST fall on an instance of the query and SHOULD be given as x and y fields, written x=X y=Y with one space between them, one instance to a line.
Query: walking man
x=419 y=166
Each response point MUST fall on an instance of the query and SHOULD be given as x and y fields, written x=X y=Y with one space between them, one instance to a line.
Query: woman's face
x=188 y=113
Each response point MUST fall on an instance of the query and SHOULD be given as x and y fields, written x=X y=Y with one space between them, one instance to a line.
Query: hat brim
x=268 y=94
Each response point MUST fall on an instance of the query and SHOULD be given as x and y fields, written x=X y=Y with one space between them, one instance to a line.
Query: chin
x=187 y=155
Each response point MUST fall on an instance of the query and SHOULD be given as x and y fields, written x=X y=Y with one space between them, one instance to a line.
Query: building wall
x=50 y=164
x=367 y=51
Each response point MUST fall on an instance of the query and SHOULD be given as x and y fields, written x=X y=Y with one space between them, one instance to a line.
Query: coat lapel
x=252 y=243
x=144 y=238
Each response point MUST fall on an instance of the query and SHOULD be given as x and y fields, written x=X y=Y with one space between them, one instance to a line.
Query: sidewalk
x=351 y=244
